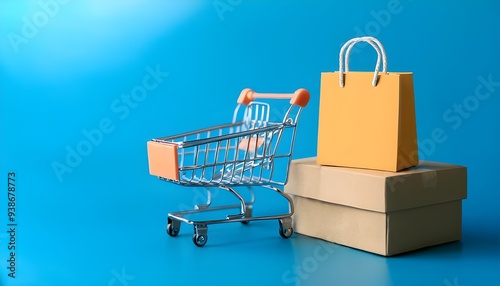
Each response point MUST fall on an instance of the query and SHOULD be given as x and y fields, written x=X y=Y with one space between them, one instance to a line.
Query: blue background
x=102 y=221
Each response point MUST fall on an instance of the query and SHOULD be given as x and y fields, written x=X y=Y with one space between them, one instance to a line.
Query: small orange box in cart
x=163 y=160
x=382 y=212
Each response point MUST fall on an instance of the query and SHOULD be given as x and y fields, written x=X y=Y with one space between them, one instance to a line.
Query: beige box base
x=382 y=233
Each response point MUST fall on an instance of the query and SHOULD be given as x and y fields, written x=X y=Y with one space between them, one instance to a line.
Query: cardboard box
x=381 y=212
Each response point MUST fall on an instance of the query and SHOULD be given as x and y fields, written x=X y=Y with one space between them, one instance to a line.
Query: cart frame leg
x=243 y=205
x=208 y=203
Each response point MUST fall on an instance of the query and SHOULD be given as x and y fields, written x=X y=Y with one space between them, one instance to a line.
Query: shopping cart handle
x=300 y=97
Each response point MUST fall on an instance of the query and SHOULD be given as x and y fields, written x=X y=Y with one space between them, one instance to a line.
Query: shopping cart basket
x=243 y=153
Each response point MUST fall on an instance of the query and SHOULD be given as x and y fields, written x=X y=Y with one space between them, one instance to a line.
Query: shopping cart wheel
x=200 y=239
x=286 y=229
x=200 y=236
x=171 y=230
x=173 y=227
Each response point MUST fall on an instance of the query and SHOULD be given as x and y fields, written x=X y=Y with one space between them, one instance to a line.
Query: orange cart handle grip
x=300 y=97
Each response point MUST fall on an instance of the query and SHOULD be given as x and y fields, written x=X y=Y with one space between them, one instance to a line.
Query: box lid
x=425 y=184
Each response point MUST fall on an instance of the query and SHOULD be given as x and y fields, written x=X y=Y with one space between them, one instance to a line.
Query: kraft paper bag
x=367 y=119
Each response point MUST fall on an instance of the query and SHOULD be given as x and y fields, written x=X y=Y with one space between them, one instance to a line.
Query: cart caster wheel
x=285 y=232
x=171 y=230
x=200 y=239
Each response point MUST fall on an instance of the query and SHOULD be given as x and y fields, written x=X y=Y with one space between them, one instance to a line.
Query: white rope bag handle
x=349 y=45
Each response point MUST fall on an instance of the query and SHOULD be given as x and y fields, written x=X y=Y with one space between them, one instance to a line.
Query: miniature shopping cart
x=243 y=153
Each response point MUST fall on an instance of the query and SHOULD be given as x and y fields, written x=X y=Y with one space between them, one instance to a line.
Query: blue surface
x=101 y=220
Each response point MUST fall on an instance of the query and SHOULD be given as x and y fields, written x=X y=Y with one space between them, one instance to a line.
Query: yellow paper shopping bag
x=367 y=119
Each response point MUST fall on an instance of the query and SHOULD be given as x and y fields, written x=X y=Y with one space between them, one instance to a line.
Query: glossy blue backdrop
x=88 y=212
